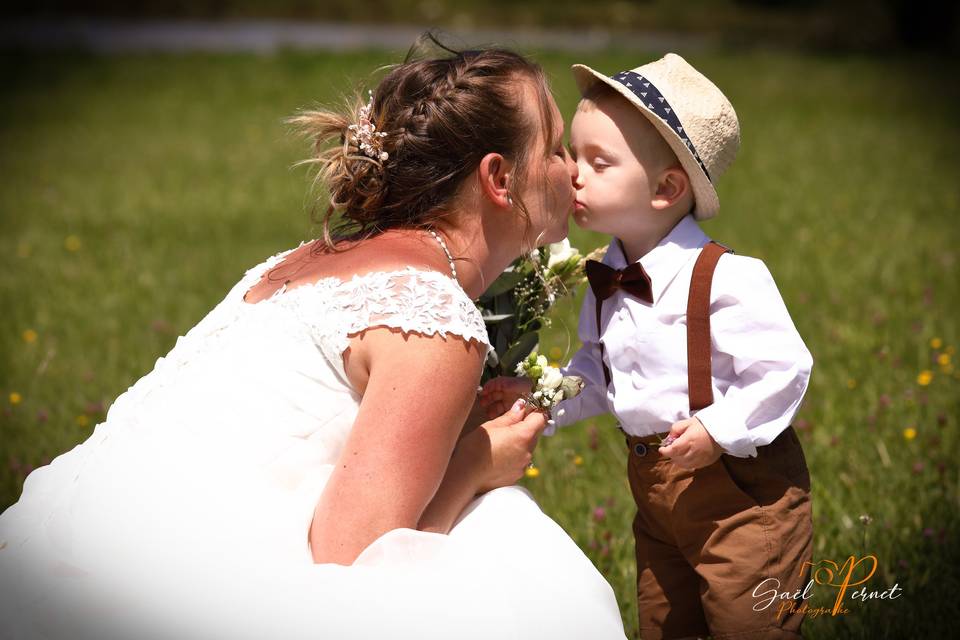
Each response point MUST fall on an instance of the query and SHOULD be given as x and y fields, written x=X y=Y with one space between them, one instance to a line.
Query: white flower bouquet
x=515 y=306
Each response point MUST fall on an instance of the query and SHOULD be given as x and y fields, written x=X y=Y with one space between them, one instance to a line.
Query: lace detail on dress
x=201 y=337
x=412 y=300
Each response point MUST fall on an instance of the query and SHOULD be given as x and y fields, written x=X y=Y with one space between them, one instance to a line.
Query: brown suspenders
x=699 y=369
x=699 y=365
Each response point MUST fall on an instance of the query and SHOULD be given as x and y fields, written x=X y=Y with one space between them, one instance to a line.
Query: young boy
x=687 y=341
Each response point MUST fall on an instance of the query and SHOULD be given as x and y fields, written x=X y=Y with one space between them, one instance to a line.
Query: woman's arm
x=496 y=454
x=418 y=393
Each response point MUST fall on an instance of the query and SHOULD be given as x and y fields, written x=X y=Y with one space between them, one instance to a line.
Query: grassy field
x=136 y=190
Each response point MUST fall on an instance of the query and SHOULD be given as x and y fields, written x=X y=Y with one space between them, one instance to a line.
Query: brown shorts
x=706 y=539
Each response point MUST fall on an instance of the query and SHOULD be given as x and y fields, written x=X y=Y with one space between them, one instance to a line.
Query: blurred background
x=144 y=166
x=835 y=25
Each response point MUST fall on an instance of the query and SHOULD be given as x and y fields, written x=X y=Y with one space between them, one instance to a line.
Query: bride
x=304 y=463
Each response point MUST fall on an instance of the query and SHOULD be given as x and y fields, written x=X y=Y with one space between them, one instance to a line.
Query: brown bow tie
x=606 y=280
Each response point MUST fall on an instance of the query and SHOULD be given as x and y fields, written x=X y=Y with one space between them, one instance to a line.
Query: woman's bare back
x=312 y=262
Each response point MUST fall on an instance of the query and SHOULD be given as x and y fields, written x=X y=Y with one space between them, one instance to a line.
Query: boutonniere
x=548 y=385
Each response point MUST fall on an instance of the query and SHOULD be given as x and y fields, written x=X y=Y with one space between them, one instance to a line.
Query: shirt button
x=622 y=314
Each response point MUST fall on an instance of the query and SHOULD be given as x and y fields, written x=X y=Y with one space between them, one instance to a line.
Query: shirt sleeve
x=750 y=326
x=587 y=364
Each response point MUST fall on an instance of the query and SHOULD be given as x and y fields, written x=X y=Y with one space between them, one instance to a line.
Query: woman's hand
x=503 y=447
x=499 y=394
x=493 y=455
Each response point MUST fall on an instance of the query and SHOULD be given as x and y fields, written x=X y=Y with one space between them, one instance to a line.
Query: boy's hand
x=692 y=447
x=499 y=394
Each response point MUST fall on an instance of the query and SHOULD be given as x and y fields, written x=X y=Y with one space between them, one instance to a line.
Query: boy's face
x=612 y=146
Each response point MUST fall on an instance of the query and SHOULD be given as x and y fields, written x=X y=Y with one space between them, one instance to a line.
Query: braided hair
x=442 y=115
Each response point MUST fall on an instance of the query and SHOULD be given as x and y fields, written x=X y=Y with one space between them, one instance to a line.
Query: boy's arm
x=587 y=364
x=592 y=401
x=750 y=323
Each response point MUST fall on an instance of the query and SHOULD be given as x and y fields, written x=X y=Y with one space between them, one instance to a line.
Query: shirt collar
x=663 y=262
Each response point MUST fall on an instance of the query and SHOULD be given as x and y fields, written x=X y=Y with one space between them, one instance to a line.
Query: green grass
x=172 y=174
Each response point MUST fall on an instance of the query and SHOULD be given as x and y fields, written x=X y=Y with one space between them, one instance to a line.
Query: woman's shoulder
x=387 y=253
x=388 y=282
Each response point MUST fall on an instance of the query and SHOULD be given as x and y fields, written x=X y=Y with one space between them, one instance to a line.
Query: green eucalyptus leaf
x=521 y=348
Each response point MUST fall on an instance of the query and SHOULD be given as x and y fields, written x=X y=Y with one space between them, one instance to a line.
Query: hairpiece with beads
x=366 y=136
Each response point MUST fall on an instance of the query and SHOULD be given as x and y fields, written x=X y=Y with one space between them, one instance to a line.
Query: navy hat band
x=651 y=98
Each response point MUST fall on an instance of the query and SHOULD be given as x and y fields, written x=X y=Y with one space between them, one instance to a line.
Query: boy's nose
x=574 y=171
x=577 y=177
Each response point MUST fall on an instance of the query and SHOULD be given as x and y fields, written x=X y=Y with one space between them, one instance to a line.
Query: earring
x=509 y=200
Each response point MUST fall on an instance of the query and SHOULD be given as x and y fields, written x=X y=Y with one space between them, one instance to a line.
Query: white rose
x=542 y=362
x=560 y=252
x=551 y=378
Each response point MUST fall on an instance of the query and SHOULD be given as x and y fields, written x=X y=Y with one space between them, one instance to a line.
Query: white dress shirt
x=760 y=365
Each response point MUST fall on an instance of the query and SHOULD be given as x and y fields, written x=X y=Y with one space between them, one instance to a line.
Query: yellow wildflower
x=943 y=359
x=578 y=460
x=82 y=420
x=924 y=377
x=15 y=397
x=29 y=335
x=851 y=383
x=72 y=243
x=909 y=433
x=532 y=472
x=936 y=343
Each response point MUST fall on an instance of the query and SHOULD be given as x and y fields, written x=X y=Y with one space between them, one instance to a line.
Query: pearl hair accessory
x=366 y=136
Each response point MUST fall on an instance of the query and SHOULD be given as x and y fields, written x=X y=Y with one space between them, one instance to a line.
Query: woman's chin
x=558 y=233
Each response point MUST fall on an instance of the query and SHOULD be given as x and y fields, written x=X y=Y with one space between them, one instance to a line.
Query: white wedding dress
x=186 y=513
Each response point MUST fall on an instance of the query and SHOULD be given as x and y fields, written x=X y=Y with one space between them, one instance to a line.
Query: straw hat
x=689 y=111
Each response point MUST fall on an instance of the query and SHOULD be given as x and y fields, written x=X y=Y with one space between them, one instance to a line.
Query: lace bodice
x=411 y=300
x=269 y=342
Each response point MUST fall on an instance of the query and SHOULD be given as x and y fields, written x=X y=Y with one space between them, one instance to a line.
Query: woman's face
x=549 y=192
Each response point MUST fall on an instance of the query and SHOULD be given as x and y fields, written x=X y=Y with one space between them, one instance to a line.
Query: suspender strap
x=606 y=369
x=699 y=366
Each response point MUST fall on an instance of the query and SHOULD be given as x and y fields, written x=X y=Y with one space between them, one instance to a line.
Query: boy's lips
x=577 y=205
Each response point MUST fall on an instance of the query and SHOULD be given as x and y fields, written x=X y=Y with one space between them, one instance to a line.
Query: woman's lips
x=578 y=206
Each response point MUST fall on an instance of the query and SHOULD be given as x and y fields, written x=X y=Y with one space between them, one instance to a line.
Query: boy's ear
x=672 y=186
x=493 y=174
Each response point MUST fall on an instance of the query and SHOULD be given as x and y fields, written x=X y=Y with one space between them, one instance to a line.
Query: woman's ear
x=672 y=186
x=494 y=174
